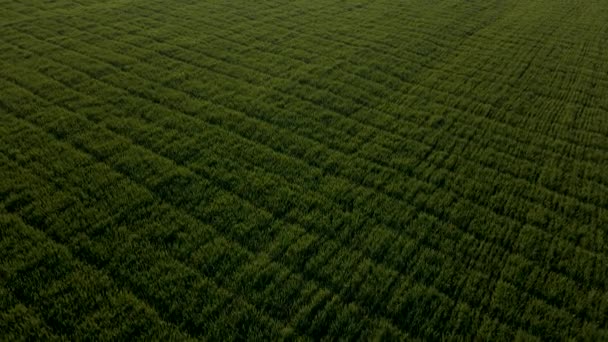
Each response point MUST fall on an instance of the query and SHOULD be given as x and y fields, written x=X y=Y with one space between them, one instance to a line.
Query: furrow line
x=443 y=215
x=431 y=214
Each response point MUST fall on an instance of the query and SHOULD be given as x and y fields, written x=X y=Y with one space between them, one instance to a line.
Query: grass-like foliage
x=303 y=170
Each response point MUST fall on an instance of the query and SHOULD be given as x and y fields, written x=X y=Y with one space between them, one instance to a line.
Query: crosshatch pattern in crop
x=304 y=169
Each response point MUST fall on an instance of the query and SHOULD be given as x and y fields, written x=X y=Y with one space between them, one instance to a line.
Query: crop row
x=136 y=173
x=523 y=215
x=433 y=172
x=562 y=209
x=533 y=177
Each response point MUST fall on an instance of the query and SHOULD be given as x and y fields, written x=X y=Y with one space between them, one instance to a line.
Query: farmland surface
x=265 y=170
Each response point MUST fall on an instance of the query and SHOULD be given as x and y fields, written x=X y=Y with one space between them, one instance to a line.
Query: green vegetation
x=305 y=169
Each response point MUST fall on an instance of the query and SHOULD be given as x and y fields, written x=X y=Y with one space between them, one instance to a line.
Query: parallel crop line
x=183 y=113
x=181 y=19
x=549 y=190
x=374 y=162
x=407 y=279
x=457 y=116
x=158 y=200
x=57 y=184
x=455 y=302
x=439 y=218
x=92 y=266
x=84 y=151
x=443 y=216
x=574 y=196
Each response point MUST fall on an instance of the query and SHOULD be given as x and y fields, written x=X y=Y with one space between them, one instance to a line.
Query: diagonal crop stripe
x=303 y=170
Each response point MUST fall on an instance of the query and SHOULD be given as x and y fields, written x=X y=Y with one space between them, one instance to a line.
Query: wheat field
x=303 y=170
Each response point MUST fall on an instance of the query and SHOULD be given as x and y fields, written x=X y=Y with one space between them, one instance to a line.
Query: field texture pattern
x=265 y=170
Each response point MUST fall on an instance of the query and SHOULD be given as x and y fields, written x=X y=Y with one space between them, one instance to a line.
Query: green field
x=304 y=170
